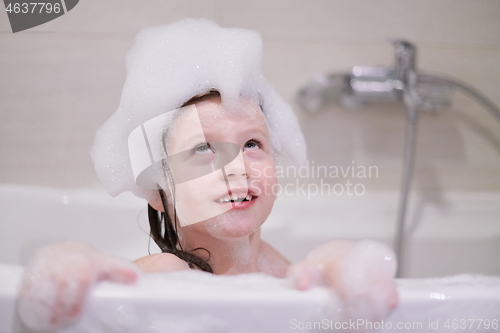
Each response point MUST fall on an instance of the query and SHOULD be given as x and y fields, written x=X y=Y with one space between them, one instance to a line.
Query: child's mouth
x=234 y=199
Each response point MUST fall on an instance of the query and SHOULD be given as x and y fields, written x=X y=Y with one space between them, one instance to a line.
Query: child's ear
x=156 y=203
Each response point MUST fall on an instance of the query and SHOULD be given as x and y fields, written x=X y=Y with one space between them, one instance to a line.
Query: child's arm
x=59 y=278
x=360 y=272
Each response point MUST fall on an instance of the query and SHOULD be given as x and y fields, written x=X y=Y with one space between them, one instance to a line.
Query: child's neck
x=228 y=257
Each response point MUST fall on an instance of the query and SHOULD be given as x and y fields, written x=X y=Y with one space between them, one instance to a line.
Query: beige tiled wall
x=61 y=80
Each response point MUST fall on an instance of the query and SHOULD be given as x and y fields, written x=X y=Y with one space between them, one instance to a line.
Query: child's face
x=234 y=151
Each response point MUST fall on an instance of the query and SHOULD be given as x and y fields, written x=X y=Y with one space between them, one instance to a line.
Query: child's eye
x=252 y=144
x=202 y=148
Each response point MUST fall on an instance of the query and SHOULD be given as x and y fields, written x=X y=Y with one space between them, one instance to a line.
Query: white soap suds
x=170 y=64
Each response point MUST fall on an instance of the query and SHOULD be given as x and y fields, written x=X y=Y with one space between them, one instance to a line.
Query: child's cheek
x=269 y=175
x=255 y=154
x=260 y=166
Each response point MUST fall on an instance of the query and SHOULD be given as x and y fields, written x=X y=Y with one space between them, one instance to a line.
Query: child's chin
x=230 y=226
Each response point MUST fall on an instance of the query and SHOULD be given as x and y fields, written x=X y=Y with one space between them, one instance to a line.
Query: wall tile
x=450 y=21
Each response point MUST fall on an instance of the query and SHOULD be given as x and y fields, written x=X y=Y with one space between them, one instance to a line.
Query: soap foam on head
x=170 y=64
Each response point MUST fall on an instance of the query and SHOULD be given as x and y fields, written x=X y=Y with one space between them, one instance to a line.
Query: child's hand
x=361 y=273
x=58 y=279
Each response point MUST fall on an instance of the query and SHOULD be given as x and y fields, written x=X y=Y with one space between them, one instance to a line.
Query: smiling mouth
x=229 y=199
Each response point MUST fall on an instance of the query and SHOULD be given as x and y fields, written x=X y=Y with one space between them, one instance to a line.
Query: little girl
x=206 y=169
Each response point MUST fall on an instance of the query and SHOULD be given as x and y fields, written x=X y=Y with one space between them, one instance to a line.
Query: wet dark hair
x=164 y=230
x=168 y=240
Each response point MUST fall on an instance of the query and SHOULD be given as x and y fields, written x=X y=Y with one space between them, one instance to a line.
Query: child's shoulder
x=161 y=262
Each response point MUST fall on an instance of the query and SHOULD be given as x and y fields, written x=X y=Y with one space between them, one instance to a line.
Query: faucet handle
x=405 y=61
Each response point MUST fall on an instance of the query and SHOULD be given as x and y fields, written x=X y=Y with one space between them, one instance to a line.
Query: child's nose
x=236 y=168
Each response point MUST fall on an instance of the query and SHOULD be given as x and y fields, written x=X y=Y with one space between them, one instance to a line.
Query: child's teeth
x=224 y=199
x=234 y=198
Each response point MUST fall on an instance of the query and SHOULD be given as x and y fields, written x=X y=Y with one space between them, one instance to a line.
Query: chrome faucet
x=378 y=84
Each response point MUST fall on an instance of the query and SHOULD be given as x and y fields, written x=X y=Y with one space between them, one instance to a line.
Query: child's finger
x=299 y=277
x=72 y=294
x=305 y=274
x=37 y=299
x=117 y=270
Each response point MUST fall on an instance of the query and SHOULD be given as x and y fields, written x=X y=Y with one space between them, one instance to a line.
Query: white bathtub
x=460 y=233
